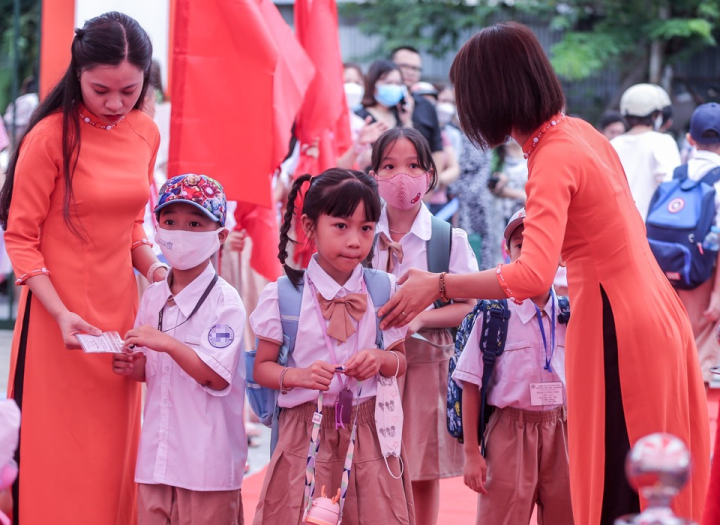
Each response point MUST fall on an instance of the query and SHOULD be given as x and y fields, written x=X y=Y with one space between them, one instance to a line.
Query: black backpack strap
x=681 y=172
x=439 y=248
x=563 y=316
x=492 y=344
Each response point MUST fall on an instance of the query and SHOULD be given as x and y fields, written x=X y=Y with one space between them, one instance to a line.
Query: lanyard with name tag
x=542 y=394
x=194 y=311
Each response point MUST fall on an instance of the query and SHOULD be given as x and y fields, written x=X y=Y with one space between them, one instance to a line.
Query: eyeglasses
x=410 y=67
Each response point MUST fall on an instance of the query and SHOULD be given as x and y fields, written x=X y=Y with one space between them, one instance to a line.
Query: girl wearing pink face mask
x=403 y=166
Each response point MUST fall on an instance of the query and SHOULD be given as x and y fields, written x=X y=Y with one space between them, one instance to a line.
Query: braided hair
x=335 y=192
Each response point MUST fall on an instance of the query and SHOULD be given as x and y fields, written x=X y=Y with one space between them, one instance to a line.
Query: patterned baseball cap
x=201 y=191
x=516 y=220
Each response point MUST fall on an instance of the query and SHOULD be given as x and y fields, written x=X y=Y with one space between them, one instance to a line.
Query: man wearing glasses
x=424 y=117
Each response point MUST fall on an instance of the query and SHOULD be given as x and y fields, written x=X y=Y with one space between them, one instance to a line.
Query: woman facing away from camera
x=632 y=367
x=72 y=206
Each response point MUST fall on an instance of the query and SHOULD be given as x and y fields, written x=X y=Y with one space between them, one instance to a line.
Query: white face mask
x=354 y=95
x=658 y=122
x=184 y=249
x=445 y=112
x=389 y=419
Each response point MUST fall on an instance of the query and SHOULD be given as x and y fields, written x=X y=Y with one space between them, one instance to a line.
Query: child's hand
x=317 y=376
x=236 y=240
x=475 y=473
x=123 y=364
x=712 y=313
x=149 y=337
x=364 y=365
x=415 y=325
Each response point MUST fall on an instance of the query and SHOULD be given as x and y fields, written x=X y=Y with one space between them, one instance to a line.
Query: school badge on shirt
x=221 y=336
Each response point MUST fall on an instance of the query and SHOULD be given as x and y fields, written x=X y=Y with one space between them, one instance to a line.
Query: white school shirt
x=414 y=245
x=521 y=363
x=648 y=159
x=310 y=344
x=702 y=162
x=193 y=437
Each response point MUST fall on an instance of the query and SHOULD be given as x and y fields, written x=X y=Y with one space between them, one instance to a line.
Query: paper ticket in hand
x=107 y=342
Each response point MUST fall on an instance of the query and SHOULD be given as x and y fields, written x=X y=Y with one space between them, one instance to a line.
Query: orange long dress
x=579 y=203
x=80 y=421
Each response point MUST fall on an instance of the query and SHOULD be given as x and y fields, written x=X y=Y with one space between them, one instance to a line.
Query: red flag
x=323 y=125
x=239 y=78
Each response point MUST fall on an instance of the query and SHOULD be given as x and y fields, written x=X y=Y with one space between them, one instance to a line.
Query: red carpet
x=457 y=502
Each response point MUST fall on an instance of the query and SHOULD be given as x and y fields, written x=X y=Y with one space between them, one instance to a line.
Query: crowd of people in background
x=423 y=190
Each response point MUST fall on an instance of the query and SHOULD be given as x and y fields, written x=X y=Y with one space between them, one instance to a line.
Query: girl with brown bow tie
x=410 y=237
x=336 y=368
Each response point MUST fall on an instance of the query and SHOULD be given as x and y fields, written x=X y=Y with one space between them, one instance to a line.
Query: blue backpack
x=680 y=216
x=495 y=318
x=263 y=400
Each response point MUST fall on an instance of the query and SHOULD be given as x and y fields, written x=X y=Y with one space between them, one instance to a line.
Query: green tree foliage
x=595 y=33
x=28 y=44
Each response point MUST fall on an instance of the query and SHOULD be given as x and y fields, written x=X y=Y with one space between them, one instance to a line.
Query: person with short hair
x=612 y=124
x=631 y=363
x=424 y=116
x=647 y=155
x=703 y=302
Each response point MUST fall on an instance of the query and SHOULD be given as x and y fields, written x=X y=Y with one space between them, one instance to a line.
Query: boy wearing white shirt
x=186 y=345
x=647 y=156
x=703 y=302
x=526 y=456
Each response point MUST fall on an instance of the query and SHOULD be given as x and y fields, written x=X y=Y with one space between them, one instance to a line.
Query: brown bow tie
x=340 y=311
x=395 y=251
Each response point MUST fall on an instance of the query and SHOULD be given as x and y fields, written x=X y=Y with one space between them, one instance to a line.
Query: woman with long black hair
x=72 y=206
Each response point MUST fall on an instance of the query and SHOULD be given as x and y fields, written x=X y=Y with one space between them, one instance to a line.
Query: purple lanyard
x=538 y=313
x=323 y=327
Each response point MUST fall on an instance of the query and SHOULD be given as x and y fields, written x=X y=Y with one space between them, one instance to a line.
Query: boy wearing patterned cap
x=186 y=345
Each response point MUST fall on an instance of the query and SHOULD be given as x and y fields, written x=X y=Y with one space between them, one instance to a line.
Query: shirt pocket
x=517 y=363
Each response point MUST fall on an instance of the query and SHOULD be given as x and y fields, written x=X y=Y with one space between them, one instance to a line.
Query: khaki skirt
x=432 y=452
x=374 y=497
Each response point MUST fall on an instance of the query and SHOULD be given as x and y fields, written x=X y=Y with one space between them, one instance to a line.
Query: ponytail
x=294 y=275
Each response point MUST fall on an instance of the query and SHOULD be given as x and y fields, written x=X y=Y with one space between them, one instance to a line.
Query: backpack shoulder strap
x=712 y=176
x=289 y=301
x=439 y=248
x=563 y=316
x=378 y=286
x=681 y=172
x=496 y=316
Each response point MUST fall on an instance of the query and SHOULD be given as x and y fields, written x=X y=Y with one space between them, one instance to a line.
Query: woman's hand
x=364 y=365
x=475 y=473
x=405 y=111
x=418 y=291
x=72 y=324
x=317 y=376
x=370 y=132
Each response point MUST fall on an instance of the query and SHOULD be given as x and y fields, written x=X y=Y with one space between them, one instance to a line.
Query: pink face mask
x=403 y=191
